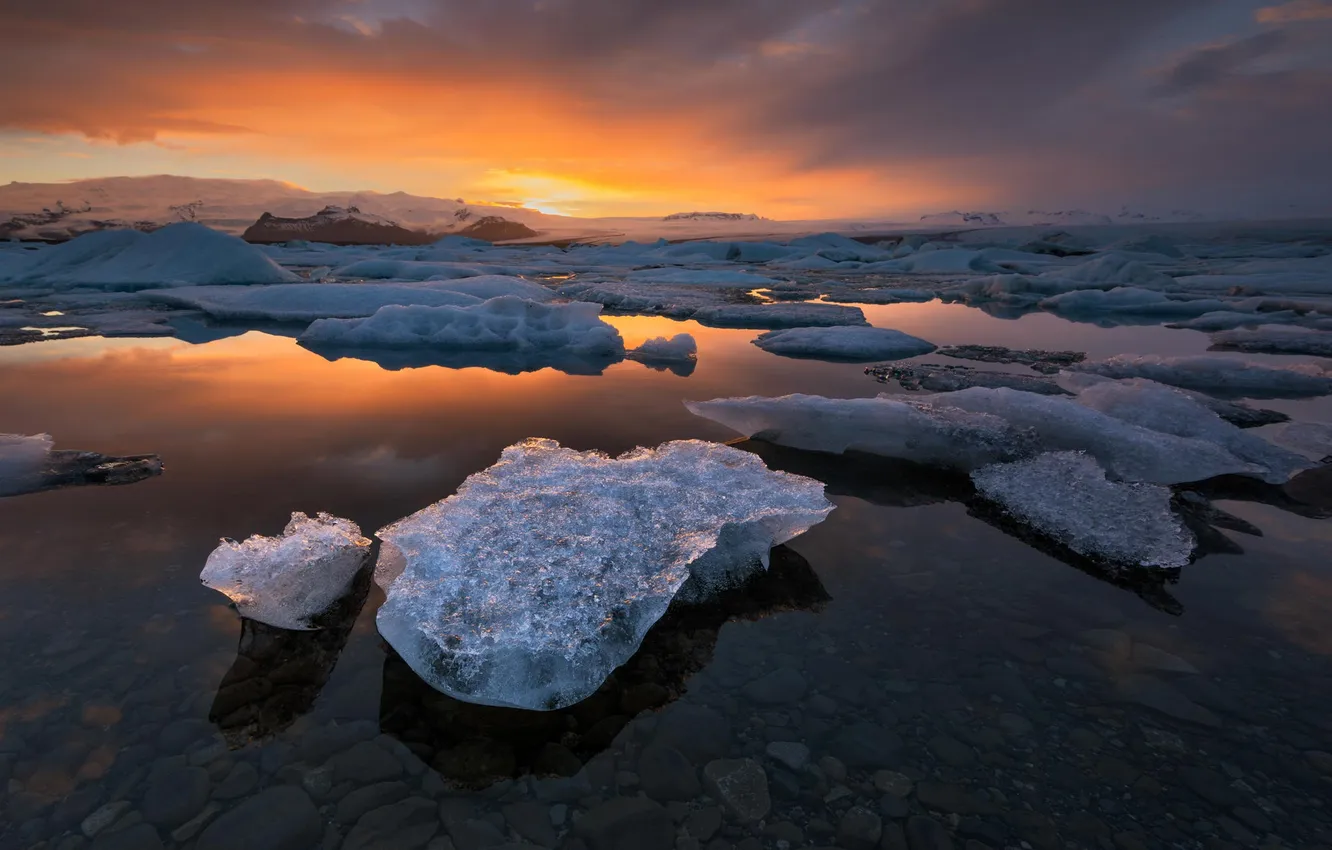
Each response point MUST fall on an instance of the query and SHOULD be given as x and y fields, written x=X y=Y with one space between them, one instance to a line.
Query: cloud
x=831 y=104
x=1295 y=10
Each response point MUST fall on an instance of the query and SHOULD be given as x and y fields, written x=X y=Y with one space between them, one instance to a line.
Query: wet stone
x=626 y=823
x=406 y=825
x=364 y=762
x=104 y=817
x=177 y=736
x=141 y=837
x=531 y=820
x=833 y=768
x=280 y=818
x=361 y=800
x=1148 y=657
x=666 y=774
x=893 y=807
x=859 y=829
x=698 y=732
x=1014 y=725
x=924 y=833
x=776 y=688
x=1035 y=828
x=892 y=782
x=1320 y=760
x=175 y=795
x=704 y=823
x=945 y=797
x=741 y=786
x=191 y=827
x=789 y=753
x=865 y=745
x=1213 y=787
x=239 y=781
x=951 y=751
x=1159 y=696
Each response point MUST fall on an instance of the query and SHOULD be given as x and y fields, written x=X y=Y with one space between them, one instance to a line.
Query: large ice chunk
x=184 y=253
x=940 y=436
x=1172 y=411
x=1065 y=495
x=1127 y=451
x=1128 y=300
x=853 y=344
x=542 y=574
x=507 y=323
x=306 y=302
x=1223 y=376
x=285 y=581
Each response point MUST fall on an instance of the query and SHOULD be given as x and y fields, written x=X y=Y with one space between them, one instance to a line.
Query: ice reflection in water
x=1034 y=702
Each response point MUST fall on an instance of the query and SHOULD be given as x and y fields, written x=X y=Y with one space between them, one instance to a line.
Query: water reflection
x=504 y=362
x=279 y=673
x=476 y=745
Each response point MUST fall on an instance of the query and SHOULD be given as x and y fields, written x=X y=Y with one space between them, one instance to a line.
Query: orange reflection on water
x=1301 y=608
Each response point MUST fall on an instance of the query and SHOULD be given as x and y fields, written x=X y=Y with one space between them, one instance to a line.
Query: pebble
x=924 y=833
x=627 y=823
x=279 y=818
x=175 y=794
x=789 y=753
x=405 y=825
x=859 y=829
x=781 y=686
x=742 y=787
x=104 y=817
x=865 y=745
x=667 y=774
x=833 y=768
x=892 y=782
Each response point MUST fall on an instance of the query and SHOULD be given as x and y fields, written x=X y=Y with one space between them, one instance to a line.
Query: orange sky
x=786 y=108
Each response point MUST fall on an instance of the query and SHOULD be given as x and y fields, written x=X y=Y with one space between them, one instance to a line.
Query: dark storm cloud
x=1040 y=97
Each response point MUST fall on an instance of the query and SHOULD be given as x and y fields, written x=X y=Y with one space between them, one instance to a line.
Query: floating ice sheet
x=1065 y=495
x=1222 y=376
x=680 y=348
x=852 y=344
x=287 y=580
x=1275 y=339
x=941 y=436
x=542 y=573
x=21 y=461
x=1171 y=411
x=507 y=323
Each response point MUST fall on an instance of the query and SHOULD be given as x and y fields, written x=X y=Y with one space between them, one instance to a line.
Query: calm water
x=952 y=685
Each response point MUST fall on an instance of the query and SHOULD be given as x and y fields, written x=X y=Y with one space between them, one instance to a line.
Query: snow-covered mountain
x=61 y=210
x=712 y=216
x=1041 y=218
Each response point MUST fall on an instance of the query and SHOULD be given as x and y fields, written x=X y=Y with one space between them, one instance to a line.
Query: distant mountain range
x=1019 y=218
x=712 y=216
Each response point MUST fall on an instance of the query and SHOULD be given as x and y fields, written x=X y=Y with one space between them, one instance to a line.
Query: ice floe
x=1066 y=496
x=182 y=253
x=1222 y=376
x=762 y=316
x=1275 y=339
x=945 y=379
x=506 y=323
x=851 y=344
x=1311 y=439
x=542 y=573
x=30 y=464
x=289 y=580
x=680 y=348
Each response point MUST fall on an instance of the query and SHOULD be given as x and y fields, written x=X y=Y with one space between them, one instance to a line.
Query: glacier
x=289 y=580
x=541 y=574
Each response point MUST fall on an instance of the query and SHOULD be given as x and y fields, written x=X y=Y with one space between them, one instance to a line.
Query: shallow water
x=1020 y=700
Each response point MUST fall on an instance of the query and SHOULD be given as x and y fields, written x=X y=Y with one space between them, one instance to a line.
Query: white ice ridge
x=1066 y=496
x=937 y=436
x=21 y=460
x=542 y=574
x=284 y=581
x=1172 y=411
x=183 y=253
x=1276 y=339
x=1218 y=375
x=855 y=344
x=680 y=348
x=970 y=428
x=506 y=323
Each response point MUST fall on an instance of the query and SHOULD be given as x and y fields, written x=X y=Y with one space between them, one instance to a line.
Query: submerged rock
x=1048 y=362
x=1066 y=495
x=544 y=572
x=945 y=379
x=287 y=580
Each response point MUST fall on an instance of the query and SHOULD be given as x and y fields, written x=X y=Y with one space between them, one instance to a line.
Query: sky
x=785 y=108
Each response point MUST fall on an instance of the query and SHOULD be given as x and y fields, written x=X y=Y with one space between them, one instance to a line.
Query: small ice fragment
x=542 y=574
x=1065 y=495
x=285 y=581
x=22 y=459
x=680 y=348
